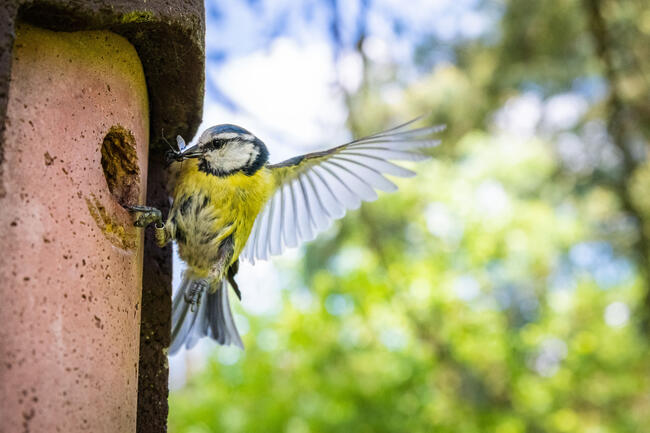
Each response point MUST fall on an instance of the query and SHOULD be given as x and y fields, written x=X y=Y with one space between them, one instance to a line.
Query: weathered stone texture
x=72 y=262
x=168 y=36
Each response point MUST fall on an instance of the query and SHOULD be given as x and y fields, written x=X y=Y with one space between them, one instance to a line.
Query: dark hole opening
x=120 y=164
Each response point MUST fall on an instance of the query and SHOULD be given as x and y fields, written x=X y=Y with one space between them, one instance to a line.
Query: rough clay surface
x=71 y=269
x=168 y=36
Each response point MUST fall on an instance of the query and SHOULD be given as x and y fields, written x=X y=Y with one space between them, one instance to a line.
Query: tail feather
x=198 y=329
x=180 y=310
x=211 y=318
x=222 y=323
x=183 y=318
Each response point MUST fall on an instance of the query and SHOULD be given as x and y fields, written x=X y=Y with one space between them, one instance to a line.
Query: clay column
x=86 y=89
x=76 y=151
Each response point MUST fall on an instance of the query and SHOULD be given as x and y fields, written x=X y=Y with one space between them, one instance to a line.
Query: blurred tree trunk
x=626 y=115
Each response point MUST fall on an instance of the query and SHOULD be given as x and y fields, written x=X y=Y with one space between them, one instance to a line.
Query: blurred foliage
x=502 y=290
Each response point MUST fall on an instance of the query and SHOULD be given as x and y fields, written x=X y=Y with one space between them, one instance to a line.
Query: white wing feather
x=318 y=188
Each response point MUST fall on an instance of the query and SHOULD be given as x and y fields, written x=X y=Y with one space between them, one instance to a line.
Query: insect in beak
x=182 y=152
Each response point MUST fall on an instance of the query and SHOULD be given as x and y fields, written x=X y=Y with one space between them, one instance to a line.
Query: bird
x=230 y=203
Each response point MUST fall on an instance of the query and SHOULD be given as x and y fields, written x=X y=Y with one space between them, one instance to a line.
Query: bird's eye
x=214 y=144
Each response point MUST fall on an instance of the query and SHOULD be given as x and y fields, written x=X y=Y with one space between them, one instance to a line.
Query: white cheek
x=232 y=157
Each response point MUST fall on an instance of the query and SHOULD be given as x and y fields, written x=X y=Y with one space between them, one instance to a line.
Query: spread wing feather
x=315 y=189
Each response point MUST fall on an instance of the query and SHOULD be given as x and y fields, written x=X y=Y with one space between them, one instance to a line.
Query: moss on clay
x=138 y=17
x=122 y=235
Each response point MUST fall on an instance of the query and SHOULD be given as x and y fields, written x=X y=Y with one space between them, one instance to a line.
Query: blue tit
x=230 y=203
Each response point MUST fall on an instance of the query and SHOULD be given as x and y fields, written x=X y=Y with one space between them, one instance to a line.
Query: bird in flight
x=230 y=203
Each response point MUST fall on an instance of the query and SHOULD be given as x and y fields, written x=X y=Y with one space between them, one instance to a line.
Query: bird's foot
x=193 y=295
x=148 y=215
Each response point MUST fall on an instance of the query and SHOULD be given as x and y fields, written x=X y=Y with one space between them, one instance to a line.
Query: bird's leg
x=151 y=215
x=193 y=295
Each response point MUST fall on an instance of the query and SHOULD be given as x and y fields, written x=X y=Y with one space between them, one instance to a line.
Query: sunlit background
x=505 y=289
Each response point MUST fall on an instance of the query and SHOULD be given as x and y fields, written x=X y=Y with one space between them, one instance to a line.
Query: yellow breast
x=233 y=203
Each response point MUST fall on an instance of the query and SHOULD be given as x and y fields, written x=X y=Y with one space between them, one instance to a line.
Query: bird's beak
x=175 y=156
x=192 y=152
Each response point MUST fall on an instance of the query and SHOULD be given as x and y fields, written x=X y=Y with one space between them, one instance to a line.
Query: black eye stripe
x=214 y=144
x=218 y=143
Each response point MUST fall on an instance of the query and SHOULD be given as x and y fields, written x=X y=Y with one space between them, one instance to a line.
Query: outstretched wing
x=313 y=190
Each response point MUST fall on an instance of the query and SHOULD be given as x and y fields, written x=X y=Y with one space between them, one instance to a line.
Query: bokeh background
x=506 y=288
